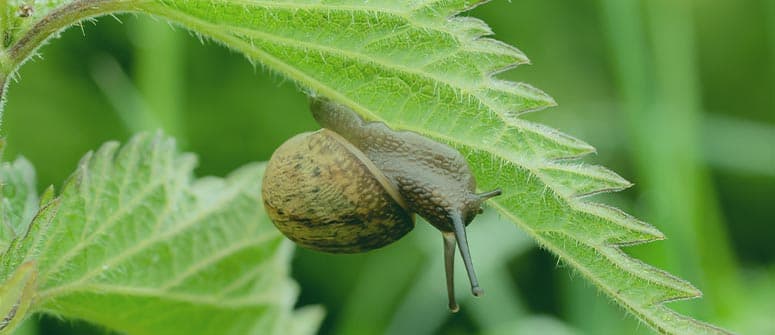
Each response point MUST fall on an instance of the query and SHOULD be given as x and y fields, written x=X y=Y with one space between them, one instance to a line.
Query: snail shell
x=354 y=186
x=340 y=202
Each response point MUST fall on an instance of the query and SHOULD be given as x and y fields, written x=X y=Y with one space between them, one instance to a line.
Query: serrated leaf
x=135 y=243
x=414 y=68
x=417 y=66
x=578 y=180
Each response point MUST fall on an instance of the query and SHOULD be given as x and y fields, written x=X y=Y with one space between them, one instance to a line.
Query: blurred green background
x=678 y=97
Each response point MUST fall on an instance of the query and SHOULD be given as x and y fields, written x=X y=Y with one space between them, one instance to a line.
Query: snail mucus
x=355 y=186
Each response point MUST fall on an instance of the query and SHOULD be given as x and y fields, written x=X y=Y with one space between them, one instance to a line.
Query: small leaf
x=18 y=200
x=16 y=297
x=136 y=244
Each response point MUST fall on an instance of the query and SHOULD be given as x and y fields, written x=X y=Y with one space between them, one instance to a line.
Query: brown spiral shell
x=339 y=201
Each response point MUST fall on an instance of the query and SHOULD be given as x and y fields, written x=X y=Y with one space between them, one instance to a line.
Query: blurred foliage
x=632 y=86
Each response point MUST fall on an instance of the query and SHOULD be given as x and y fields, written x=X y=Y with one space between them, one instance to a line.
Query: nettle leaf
x=135 y=243
x=417 y=65
x=18 y=200
x=16 y=296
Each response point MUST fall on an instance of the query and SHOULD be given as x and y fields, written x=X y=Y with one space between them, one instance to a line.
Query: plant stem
x=159 y=74
x=57 y=20
x=5 y=19
x=770 y=8
x=2 y=92
x=662 y=101
x=5 y=14
x=683 y=172
x=2 y=96
x=15 y=52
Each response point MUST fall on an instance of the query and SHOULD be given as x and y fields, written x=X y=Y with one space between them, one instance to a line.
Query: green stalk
x=661 y=97
x=771 y=25
x=2 y=94
x=623 y=25
x=18 y=47
x=56 y=20
x=5 y=20
x=5 y=14
x=672 y=30
x=159 y=72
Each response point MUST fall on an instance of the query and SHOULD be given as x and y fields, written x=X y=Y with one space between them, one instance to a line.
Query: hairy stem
x=16 y=51
x=3 y=84
x=58 y=20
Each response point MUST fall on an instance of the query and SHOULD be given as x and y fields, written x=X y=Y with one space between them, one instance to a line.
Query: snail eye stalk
x=449 y=268
x=462 y=243
x=487 y=195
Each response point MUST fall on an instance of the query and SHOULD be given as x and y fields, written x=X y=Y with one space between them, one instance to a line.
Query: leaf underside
x=18 y=200
x=135 y=243
x=422 y=67
x=419 y=66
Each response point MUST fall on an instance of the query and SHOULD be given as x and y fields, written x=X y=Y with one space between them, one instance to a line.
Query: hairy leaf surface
x=135 y=243
x=18 y=200
x=419 y=65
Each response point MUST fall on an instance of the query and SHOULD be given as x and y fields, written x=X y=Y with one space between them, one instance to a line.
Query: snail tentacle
x=449 y=268
x=462 y=243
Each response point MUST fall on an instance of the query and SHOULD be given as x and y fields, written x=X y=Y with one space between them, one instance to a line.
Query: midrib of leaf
x=195 y=268
x=82 y=283
x=136 y=201
x=457 y=102
x=120 y=286
x=197 y=299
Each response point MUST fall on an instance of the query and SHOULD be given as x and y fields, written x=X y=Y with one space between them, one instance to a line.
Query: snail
x=355 y=186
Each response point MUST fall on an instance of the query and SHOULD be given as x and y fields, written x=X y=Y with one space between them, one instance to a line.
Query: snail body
x=354 y=186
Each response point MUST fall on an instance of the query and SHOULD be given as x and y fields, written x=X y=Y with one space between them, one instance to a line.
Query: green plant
x=85 y=254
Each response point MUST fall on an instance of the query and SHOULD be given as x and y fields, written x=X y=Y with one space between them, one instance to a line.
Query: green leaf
x=18 y=200
x=16 y=296
x=135 y=243
x=417 y=69
x=419 y=66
